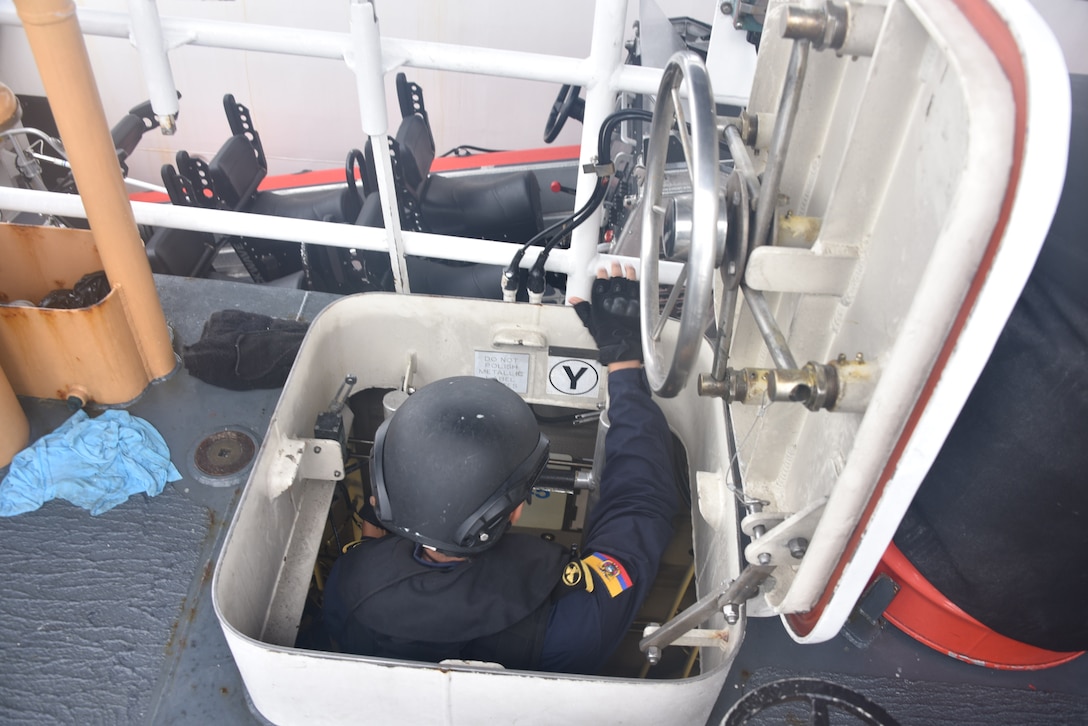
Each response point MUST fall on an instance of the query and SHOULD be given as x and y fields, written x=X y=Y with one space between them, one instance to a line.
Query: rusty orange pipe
x=57 y=43
x=14 y=428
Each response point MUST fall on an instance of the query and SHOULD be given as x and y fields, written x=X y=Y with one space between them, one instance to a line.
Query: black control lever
x=330 y=422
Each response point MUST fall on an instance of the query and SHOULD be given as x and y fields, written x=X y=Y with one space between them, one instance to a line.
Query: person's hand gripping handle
x=612 y=317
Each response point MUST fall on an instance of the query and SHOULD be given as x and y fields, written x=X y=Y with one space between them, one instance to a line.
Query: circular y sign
x=573 y=377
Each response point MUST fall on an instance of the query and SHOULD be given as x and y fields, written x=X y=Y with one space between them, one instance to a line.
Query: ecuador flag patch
x=611 y=572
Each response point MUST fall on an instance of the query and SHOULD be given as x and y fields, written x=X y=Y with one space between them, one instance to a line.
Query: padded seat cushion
x=504 y=207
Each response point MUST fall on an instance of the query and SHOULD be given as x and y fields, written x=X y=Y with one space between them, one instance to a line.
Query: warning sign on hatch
x=573 y=376
x=510 y=369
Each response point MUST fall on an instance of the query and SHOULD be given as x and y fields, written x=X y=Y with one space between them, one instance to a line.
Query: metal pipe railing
x=151 y=44
x=601 y=73
x=333 y=45
x=289 y=229
x=605 y=56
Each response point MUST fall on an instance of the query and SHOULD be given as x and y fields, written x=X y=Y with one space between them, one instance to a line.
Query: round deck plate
x=223 y=457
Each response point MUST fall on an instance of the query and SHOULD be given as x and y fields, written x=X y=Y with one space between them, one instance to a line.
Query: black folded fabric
x=244 y=351
x=92 y=288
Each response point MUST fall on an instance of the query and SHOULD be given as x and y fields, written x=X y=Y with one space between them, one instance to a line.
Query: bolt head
x=797 y=546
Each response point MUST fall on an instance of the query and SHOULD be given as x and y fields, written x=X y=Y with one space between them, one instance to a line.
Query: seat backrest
x=410 y=98
x=414 y=149
x=236 y=171
x=126 y=134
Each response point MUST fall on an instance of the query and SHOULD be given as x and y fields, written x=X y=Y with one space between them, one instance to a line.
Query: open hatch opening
x=557 y=512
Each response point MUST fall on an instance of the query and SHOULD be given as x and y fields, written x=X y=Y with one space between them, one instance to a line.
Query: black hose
x=558 y=231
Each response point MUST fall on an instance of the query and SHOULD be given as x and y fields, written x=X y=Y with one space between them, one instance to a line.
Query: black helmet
x=453 y=461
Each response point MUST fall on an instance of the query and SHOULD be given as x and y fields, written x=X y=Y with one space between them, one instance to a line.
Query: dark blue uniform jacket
x=377 y=585
x=632 y=522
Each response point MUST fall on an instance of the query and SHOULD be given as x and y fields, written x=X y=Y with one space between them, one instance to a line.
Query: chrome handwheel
x=668 y=371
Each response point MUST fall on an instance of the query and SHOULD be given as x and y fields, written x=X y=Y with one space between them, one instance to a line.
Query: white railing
x=602 y=74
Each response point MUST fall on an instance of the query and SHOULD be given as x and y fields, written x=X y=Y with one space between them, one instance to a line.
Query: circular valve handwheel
x=668 y=371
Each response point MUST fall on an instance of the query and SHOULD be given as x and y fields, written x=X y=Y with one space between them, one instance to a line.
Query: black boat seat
x=236 y=172
x=181 y=252
x=504 y=207
x=437 y=277
x=126 y=134
x=433 y=277
x=414 y=150
x=231 y=181
x=340 y=204
x=343 y=271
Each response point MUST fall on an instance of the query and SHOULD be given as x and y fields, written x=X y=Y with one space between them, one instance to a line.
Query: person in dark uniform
x=452 y=470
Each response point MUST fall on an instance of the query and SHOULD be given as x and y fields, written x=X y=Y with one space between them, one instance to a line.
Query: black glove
x=613 y=319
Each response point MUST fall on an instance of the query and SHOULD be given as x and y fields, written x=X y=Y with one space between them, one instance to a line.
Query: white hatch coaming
x=260 y=582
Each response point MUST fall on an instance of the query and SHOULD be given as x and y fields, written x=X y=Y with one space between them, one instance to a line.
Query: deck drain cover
x=223 y=457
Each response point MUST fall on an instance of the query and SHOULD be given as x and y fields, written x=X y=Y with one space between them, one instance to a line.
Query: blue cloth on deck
x=94 y=463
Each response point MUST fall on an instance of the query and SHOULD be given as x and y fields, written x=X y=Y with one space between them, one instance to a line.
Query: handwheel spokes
x=682 y=130
x=670 y=304
x=668 y=371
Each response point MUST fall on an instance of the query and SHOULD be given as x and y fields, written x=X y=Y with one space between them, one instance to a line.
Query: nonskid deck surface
x=915 y=685
x=109 y=619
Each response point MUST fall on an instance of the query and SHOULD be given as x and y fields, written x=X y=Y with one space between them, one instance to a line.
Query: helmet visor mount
x=489 y=521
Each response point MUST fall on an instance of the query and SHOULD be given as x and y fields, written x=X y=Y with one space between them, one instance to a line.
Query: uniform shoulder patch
x=610 y=571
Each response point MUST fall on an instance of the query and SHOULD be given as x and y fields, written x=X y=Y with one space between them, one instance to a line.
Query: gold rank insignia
x=576 y=573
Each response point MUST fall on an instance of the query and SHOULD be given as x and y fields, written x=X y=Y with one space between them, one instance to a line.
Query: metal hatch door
x=884 y=207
